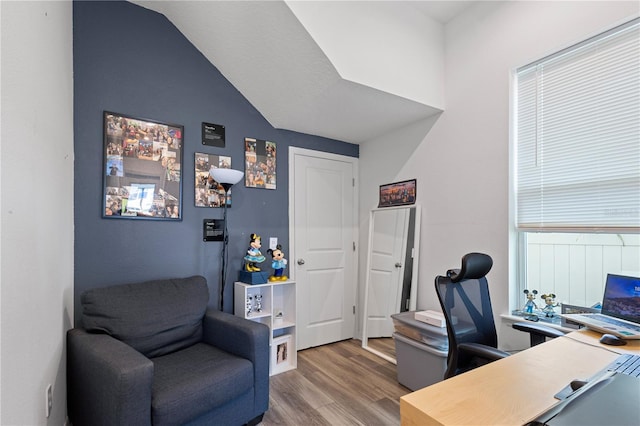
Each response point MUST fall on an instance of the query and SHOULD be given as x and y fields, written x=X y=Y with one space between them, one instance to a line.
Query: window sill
x=515 y=318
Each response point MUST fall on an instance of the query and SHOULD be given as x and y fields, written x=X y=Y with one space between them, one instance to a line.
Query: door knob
x=300 y=261
x=398 y=265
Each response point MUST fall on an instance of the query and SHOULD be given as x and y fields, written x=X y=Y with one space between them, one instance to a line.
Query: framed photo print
x=398 y=194
x=260 y=164
x=142 y=168
x=210 y=193
x=281 y=354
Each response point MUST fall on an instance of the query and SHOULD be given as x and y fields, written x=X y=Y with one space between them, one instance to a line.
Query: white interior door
x=322 y=217
x=388 y=241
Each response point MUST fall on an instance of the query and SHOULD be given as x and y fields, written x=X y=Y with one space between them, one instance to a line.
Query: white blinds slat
x=578 y=136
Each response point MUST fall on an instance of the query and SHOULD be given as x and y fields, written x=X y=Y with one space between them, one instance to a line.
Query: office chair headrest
x=474 y=266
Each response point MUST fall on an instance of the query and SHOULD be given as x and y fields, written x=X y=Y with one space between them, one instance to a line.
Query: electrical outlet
x=48 y=400
x=273 y=243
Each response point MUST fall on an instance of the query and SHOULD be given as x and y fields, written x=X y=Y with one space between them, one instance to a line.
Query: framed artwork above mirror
x=398 y=194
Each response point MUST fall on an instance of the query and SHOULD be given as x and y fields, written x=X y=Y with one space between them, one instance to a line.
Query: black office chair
x=464 y=298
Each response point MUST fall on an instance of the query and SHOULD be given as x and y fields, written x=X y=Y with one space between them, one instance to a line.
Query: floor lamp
x=226 y=178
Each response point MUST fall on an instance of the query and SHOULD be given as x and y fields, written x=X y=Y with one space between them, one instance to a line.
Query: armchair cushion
x=155 y=318
x=182 y=383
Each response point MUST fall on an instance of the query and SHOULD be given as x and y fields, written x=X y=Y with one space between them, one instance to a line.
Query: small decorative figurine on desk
x=254 y=256
x=549 y=304
x=278 y=264
x=530 y=305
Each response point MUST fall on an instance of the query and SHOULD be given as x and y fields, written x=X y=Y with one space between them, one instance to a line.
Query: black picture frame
x=142 y=168
x=398 y=193
x=208 y=192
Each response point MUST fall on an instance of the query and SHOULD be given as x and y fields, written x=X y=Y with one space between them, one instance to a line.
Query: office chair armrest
x=482 y=351
x=538 y=332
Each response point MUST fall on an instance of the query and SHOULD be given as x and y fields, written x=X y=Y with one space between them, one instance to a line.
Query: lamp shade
x=226 y=176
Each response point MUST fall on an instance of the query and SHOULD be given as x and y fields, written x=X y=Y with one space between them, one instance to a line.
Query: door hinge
x=354 y=246
x=354 y=309
x=353 y=182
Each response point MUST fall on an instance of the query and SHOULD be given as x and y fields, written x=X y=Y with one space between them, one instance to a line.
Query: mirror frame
x=414 y=274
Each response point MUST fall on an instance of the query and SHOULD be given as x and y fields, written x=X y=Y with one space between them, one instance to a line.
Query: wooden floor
x=386 y=345
x=337 y=384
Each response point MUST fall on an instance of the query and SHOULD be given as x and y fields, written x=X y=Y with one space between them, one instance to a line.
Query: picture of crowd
x=142 y=166
x=260 y=164
x=210 y=193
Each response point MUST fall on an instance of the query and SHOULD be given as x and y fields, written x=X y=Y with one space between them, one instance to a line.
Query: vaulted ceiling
x=350 y=71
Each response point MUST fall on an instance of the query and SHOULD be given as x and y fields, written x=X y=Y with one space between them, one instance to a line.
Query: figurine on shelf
x=258 y=302
x=549 y=304
x=530 y=305
x=253 y=256
x=278 y=264
x=249 y=304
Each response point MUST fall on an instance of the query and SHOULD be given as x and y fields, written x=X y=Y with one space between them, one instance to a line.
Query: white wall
x=462 y=163
x=36 y=207
x=377 y=44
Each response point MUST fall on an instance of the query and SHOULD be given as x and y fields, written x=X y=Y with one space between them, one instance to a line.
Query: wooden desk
x=504 y=392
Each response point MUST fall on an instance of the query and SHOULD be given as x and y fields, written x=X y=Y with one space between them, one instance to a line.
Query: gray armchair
x=152 y=354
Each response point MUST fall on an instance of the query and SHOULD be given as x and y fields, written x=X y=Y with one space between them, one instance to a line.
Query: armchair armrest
x=108 y=381
x=481 y=351
x=246 y=339
x=538 y=332
x=239 y=336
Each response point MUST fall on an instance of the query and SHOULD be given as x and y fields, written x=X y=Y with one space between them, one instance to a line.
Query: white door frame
x=293 y=151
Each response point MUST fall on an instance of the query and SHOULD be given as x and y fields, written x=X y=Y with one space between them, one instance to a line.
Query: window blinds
x=577 y=128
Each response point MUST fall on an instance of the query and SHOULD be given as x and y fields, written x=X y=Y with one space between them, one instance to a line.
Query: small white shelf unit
x=278 y=312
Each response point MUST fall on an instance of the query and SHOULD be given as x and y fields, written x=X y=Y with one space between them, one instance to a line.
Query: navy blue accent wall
x=130 y=60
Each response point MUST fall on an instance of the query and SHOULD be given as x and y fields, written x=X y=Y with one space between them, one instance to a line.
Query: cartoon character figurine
x=249 y=305
x=530 y=305
x=549 y=304
x=258 y=302
x=278 y=264
x=253 y=256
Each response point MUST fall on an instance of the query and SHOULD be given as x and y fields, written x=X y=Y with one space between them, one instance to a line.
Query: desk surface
x=503 y=392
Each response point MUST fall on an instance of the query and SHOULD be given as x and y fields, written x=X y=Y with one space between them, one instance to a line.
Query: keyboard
x=626 y=364
x=613 y=321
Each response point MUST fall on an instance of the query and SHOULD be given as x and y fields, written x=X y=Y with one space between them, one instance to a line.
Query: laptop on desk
x=620 y=314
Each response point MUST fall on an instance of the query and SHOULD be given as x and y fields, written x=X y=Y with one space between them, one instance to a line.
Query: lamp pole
x=225 y=178
x=225 y=242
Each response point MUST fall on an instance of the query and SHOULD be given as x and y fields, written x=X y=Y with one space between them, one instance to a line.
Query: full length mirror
x=392 y=275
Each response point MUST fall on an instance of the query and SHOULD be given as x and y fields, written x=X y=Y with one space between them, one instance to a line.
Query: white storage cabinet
x=272 y=304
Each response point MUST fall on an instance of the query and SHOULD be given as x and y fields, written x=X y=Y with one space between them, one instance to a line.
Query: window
x=577 y=166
